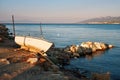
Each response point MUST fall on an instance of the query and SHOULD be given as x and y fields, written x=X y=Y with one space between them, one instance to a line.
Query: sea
x=63 y=35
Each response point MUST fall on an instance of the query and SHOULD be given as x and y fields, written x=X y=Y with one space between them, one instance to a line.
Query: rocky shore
x=19 y=64
x=62 y=56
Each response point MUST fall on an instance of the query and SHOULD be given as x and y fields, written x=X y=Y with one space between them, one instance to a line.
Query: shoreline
x=13 y=60
x=17 y=62
x=17 y=66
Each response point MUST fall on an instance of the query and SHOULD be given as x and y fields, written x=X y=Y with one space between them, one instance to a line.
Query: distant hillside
x=102 y=20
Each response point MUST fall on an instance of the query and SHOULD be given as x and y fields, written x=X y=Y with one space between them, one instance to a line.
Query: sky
x=57 y=11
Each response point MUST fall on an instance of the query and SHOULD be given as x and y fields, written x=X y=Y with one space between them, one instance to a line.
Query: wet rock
x=88 y=50
x=76 y=55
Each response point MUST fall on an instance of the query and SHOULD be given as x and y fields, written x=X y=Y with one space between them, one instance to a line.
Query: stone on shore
x=1 y=39
x=73 y=48
x=4 y=61
x=55 y=68
x=5 y=76
x=32 y=60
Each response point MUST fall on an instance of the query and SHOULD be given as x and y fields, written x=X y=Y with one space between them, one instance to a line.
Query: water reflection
x=96 y=54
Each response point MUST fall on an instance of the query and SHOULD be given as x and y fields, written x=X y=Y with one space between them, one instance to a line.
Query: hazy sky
x=57 y=10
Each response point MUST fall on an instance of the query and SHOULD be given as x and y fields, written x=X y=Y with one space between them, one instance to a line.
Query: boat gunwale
x=42 y=38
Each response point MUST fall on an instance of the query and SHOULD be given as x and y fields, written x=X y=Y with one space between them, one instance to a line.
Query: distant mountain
x=102 y=20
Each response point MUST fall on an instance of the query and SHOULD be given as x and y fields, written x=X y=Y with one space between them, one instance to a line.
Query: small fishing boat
x=33 y=44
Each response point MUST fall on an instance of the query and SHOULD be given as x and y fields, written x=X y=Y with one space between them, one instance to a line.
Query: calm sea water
x=67 y=34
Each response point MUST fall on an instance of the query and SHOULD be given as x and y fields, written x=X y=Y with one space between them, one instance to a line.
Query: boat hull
x=33 y=44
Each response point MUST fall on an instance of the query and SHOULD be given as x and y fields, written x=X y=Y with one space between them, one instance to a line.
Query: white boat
x=33 y=44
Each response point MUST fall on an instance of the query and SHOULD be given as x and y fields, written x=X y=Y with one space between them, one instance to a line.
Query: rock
x=1 y=39
x=63 y=59
x=96 y=46
x=4 y=61
x=55 y=68
x=93 y=47
x=3 y=31
x=84 y=44
x=32 y=60
x=76 y=55
x=88 y=50
x=104 y=46
x=79 y=49
x=42 y=60
x=46 y=65
x=84 y=50
x=5 y=76
x=87 y=45
x=73 y=48
x=110 y=46
x=44 y=54
x=14 y=74
x=67 y=49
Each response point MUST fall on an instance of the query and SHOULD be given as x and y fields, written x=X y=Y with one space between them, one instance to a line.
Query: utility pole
x=13 y=26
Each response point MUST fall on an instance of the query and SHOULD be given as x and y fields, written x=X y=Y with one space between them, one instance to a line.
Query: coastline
x=11 y=55
x=13 y=65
